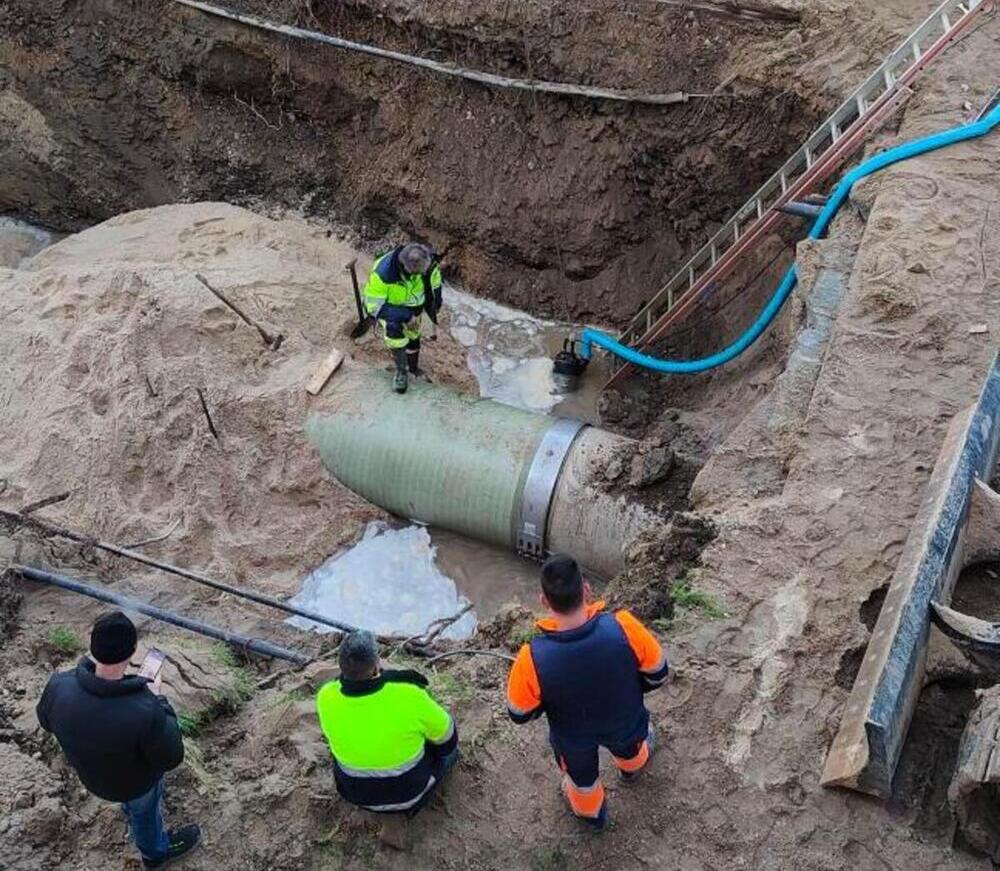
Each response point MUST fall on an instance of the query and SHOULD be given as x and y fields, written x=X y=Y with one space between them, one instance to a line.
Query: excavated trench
x=569 y=208
x=573 y=211
x=566 y=207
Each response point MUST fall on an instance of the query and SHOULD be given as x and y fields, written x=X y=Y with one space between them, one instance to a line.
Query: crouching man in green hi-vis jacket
x=392 y=743
x=403 y=285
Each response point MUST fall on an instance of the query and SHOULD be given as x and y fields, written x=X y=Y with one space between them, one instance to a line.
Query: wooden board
x=324 y=371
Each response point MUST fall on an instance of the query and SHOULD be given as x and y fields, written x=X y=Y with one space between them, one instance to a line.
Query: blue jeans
x=442 y=765
x=145 y=822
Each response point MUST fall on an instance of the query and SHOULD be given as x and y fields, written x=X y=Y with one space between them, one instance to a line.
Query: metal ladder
x=818 y=158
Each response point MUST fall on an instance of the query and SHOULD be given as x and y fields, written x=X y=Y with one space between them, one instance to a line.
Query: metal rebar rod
x=259 y=598
x=253 y=645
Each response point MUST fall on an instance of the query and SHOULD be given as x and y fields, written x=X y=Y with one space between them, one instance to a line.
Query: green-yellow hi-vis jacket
x=387 y=736
x=389 y=285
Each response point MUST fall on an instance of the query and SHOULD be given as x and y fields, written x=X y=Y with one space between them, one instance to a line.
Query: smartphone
x=152 y=663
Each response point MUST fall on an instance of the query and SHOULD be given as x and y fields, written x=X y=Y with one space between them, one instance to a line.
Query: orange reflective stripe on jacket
x=549 y=624
x=524 y=693
x=647 y=649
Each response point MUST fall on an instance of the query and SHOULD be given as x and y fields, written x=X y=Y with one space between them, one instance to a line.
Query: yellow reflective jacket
x=389 y=284
x=385 y=735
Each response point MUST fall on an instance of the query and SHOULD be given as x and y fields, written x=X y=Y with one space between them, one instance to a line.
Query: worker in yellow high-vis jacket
x=403 y=285
x=392 y=744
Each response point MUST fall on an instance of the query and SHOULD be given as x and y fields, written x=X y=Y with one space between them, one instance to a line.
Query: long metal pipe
x=255 y=645
x=197 y=577
x=486 y=470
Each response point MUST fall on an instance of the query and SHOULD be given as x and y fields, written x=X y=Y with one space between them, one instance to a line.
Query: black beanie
x=113 y=639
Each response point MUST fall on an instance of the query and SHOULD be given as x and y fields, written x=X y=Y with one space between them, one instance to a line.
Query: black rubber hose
x=253 y=645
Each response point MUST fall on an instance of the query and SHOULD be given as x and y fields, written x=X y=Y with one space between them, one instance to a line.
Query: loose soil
x=977 y=591
x=146 y=111
x=565 y=207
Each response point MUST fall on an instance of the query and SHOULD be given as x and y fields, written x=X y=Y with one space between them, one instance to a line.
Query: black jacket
x=118 y=736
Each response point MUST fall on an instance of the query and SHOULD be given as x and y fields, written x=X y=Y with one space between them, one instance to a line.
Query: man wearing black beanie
x=120 y=736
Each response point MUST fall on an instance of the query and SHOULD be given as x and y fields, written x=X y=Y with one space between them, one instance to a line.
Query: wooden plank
x=323 y=372
x=881 y=705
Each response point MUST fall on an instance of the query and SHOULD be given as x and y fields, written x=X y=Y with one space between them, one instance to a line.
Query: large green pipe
x=474 y=466
x=431 y=454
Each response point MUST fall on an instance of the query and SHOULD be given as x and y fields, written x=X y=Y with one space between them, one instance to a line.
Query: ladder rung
x=848 y=121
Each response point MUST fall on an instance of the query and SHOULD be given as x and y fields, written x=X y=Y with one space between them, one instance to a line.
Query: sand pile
x=114 y=357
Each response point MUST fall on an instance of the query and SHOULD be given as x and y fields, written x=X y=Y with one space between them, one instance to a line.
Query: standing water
x=19 y=242
x=398 y=581
x=394 y=581
x=508 y=350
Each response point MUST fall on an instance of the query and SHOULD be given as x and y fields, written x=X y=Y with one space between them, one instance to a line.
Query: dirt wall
x=566 y=207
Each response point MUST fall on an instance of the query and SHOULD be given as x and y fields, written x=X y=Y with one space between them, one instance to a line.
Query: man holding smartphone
x=120 y=735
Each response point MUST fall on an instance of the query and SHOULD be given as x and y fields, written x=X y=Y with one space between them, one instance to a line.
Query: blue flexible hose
x=590 y=337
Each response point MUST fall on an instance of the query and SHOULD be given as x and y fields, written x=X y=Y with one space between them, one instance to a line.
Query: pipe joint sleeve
x=530 y=527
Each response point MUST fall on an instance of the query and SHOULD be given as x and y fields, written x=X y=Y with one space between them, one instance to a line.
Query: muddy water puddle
x=20 y=241
x=400 y=580
x=510 y=352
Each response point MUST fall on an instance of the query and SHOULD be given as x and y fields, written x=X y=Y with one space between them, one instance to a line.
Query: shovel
x=364 y=322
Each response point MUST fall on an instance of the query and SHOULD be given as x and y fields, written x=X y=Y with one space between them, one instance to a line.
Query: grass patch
x=690 y=599
x=237 y=694
x=65 y=640
x=449 y=689
x=523 y=633
x=241 y=687
x=548 y=859
x=224 y=655
x=235 y=690
x=190 y=724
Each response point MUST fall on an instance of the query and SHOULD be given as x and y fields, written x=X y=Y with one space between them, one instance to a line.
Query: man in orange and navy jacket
x=587 y=672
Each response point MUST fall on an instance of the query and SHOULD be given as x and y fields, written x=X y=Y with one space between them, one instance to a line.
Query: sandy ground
x=756 y=695
x=106 y=358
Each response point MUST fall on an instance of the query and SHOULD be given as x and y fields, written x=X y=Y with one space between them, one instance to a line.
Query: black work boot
x=401 y=380
x=413 y=359
x=182 y=842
